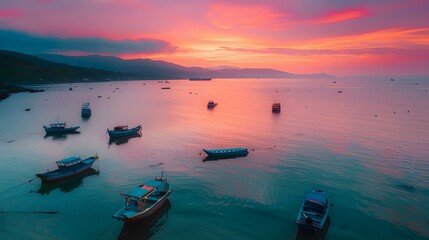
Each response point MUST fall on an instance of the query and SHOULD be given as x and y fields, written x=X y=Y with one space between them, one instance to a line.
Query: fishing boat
x=199 y=79
x=276 y=107
x=144 y=200
x=85 y=110
x=59 y=127
x=226 y=152
x=122 y=131
x=211 y=104
x=67 y=167
x=314 y=211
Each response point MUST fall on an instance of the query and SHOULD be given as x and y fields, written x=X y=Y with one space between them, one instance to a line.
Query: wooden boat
x=85 y=110
x=211 y=104
x=226 y=152
x=276 y=107
x=143 y=201
x=314 y=211
x=60 y=127
x=122 y=131
x=67 y=167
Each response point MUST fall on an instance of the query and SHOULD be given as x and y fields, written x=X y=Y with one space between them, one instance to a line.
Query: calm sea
x=367 y=146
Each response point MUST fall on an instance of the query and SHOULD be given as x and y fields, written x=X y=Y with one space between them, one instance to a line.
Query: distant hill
x=19 y=68
x=151 y=69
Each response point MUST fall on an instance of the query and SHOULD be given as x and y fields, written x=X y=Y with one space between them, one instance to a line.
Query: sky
x=339 y=37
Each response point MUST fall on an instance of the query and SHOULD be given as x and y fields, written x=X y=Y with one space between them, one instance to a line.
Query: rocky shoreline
x=7 y=89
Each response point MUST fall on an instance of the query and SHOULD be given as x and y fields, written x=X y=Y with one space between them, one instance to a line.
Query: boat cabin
x=121 y=128
x=143 y=196
x=67 y=162
x=58 y=125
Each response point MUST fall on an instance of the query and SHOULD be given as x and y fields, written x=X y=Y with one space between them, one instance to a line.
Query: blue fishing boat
x=122 y=131
x=226 y=152
x=59 y=127
x=85 y=110
x=314 y=211
x=144 y=200
x=67 y=167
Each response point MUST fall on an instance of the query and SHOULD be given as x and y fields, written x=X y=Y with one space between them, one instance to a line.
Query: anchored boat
x=199 y=78
x=276 y=107
x=122 y=131
x=59 y=127
x=86 y=110
x=144 y=200
x=314 y=211
x=226 y=152
x=67 y=167
x=211 y=104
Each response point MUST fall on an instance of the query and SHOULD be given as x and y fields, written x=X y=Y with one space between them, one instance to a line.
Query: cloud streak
x=23 y=42
x=310 y=52
x=344 y=15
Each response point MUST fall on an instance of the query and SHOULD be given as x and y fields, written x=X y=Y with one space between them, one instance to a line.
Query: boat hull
x=60 y=130
x=58 y=175
x=129 y=132
x=86 y=113
x=211 y=106
x=154 y=208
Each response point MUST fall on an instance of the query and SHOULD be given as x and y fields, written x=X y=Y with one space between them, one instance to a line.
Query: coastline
x=6 y=90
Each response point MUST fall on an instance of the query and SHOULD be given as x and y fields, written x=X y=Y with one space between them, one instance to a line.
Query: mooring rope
x=29 y=181
x=107 y=229
x=47 y=212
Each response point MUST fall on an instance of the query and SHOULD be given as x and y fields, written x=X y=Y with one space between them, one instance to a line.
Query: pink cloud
x=10 y=13
x=227 y=16
x=344 y=15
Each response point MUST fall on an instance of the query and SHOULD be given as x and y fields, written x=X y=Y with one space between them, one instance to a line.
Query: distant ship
x=199 y=79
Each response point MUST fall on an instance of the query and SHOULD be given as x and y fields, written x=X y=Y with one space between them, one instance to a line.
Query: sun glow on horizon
x=289 y=36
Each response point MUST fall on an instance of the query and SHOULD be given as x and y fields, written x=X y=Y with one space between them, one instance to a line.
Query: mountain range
x=18 y=67
x=155 y=69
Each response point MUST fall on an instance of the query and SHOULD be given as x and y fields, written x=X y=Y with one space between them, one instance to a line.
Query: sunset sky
x=339 y=37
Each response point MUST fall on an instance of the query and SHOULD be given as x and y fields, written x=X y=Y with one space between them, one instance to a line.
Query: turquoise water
x=367 y=147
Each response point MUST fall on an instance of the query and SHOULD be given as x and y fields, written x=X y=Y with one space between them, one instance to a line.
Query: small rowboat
x=276 y=107
x=143 y=201
x=122 y=131
x=67 y=167
x=226 y=152
x=314 y=211
x=60 y=127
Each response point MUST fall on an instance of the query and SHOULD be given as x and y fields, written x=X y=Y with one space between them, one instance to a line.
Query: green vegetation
x=22 y=68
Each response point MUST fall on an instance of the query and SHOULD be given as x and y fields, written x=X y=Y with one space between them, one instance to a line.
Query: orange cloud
x=227 y=16
x=344 y=15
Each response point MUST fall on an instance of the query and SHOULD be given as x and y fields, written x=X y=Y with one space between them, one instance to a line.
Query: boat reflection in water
x=123 y=140
x=146 y=228
x=60 y=136
x=68 y=184
x=319 y=234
